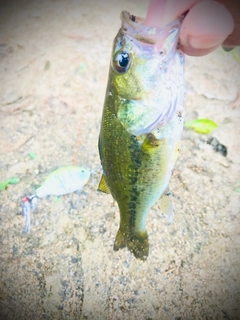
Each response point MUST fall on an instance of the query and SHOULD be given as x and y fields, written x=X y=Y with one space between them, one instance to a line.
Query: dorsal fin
x=103 y=187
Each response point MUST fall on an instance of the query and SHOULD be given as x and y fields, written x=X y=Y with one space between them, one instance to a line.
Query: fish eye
x=121 y=62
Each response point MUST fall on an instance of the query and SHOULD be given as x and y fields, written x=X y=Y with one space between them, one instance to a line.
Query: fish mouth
x=143 y=113
x=165 y=38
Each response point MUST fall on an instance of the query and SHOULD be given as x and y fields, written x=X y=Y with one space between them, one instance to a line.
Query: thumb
x=205 y=27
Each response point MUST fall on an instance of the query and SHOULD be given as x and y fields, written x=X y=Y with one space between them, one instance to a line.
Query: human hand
x=207 y=25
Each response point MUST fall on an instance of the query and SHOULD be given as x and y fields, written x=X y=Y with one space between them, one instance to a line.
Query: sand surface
x=54 y=58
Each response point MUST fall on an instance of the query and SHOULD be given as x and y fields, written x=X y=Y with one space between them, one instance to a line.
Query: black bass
x=141 y=125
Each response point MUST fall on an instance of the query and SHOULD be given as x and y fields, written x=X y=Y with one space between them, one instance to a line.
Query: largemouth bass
x=141 y=125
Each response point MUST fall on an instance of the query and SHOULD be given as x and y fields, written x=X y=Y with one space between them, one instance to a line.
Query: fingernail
x=203 y=42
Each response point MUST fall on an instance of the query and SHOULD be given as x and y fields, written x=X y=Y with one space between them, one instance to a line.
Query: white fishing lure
x=63 y=181
x=59 y=182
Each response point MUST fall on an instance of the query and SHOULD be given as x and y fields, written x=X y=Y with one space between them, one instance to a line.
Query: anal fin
x=103 y=187
x=166 y=206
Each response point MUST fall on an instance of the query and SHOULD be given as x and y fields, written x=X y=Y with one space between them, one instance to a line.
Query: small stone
x=12 y=205
x=115 y=304
x=223 y=162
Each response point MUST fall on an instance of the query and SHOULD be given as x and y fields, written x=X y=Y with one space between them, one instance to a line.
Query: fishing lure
x=59 y=182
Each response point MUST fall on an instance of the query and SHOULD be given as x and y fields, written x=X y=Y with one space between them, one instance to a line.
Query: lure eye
x=121 y=62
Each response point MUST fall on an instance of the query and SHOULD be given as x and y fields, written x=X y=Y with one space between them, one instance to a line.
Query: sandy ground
x=54 y=65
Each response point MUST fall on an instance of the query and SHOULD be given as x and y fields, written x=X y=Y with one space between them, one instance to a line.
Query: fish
x=141 y=127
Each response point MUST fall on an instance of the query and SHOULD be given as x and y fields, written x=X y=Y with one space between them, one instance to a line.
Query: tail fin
x=136 y=242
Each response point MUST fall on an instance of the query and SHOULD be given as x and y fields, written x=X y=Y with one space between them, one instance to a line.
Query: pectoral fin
x=103 y=187
x=151 y=143
x=166 y=206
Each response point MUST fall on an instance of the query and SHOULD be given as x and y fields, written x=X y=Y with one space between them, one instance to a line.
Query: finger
x=233 y=6
x=162 y=12
x=234 y=39
x=205 y=27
